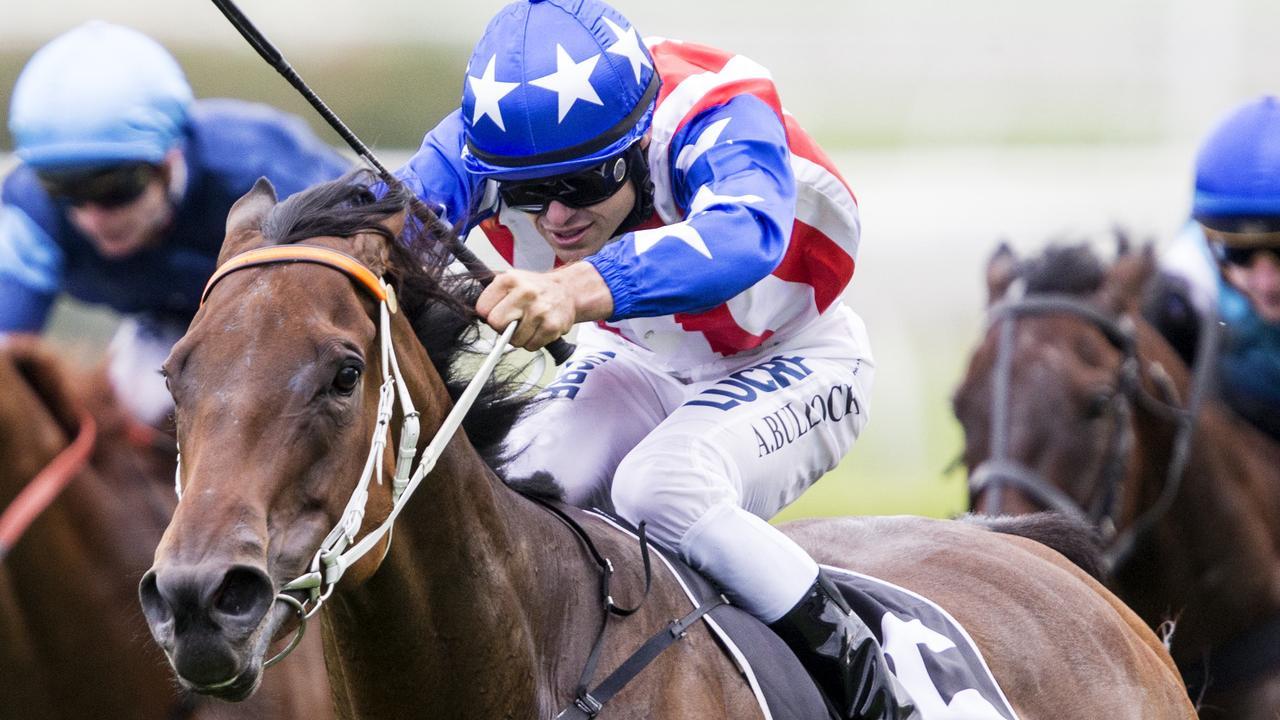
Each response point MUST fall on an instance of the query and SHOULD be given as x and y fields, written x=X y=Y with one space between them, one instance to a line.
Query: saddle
x=930 y=653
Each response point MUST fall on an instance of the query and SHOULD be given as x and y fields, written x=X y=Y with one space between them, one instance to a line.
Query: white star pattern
x=571 y=81
x=488 y=92
x=689 y=153
x=684 y=232
x=706 y=197
x=628 y=46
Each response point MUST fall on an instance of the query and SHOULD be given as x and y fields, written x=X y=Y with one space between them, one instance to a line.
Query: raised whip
x=560 y=348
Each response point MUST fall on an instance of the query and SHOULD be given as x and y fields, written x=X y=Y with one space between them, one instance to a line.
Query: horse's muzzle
x=207 y=621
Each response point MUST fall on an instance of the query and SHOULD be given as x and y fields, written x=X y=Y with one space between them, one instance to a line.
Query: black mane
x=1072 y=537
x=438 y=304
x=1066 y=269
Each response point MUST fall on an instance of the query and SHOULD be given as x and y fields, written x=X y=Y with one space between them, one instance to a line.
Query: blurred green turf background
x=942 y=172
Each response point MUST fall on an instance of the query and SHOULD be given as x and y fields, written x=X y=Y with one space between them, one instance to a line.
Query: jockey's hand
x=547 y=304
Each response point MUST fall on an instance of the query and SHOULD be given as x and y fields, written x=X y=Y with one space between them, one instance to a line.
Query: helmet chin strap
x=638 y=174
x=177 y=175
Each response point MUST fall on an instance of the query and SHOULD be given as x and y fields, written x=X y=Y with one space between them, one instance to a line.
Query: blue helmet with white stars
x=1238 y=170
x=555 y=86
x=99 y=94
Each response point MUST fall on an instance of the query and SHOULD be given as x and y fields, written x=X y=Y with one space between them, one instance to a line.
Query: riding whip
x=560 y=348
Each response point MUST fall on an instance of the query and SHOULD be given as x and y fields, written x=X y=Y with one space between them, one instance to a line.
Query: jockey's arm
x=732 y=173
x=731 y=177
x=30 y=272
x=547 y=304
x=436 y=175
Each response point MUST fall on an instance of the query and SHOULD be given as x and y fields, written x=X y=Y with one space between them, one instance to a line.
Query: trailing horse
x=1073 y=402
x=72 y=641
x=482 y=603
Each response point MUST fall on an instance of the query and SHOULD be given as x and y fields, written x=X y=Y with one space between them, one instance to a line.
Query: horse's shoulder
x=27 y=362
x=902 y=548
x=45 y=401
x=866 y=533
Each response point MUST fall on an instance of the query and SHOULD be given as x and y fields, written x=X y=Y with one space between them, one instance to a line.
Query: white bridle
x=339 y=550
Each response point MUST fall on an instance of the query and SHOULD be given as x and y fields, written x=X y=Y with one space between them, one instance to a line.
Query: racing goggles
x=107 y=187
x=576 y=190
x=1243 y=256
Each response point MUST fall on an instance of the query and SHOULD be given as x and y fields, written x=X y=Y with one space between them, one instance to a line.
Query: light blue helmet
x=1238 y=169
x=555 y=86
x=98 y=94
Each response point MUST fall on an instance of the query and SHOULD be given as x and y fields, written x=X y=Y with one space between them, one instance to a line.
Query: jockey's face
x=118 y=232
x=1258 y=277
x=120 y=229
x=574 y=233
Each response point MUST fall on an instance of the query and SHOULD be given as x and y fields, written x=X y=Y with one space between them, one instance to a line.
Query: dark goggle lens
x=578 y=190
x=1243 y=256
x=105 y=187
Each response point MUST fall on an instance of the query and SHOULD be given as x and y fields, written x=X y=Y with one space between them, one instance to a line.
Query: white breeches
x=137 y=350
x=705 y=456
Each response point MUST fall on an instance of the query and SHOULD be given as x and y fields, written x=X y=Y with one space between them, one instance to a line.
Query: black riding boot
x=842 y=655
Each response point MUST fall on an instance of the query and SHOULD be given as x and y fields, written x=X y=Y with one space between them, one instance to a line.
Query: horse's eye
x=346 y=380
x=1098 y=405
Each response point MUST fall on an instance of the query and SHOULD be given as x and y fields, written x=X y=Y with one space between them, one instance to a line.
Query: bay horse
x=1072 y=401
x=73 y=643
x=482 y=603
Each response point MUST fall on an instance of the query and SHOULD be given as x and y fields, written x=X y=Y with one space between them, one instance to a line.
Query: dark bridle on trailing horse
x=1000 y=471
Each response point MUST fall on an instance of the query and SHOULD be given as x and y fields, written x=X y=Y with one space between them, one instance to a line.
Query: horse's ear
x=1123 y=246
x=244 y=221
x=1002 y=270
x=1128 y=276
x=373 y=249
x=395 y=223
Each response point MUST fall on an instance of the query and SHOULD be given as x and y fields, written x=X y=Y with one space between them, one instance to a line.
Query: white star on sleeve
x=571 y=81
x=488 y=92
x=684 y=232
x=628 y=46
x=706 y=197
x=689 y=153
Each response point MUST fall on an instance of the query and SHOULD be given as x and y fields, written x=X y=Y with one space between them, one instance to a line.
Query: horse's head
x=1048 y=402
x=277 y=386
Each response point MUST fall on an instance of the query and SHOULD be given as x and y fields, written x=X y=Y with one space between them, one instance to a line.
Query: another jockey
x=658 y=191
x=1230 y=255
x=122 y=195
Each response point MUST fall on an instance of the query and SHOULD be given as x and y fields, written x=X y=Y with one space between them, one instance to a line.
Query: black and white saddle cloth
x=930 y=653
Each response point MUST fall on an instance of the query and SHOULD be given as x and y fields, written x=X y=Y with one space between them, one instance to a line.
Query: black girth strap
x=587 y=702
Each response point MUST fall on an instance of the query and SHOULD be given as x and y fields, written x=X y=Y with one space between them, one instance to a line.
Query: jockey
x=1230 y=255
x=123 y=189
x=657 y=191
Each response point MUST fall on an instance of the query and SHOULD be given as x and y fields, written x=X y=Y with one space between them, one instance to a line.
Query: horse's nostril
x=245 y=593
x=154 y=607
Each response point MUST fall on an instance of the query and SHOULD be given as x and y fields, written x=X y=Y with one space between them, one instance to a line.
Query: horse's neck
x=1225 y=521
x=1238 y=474
x=113 y=509
x=82 y=558
x=464 y=617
